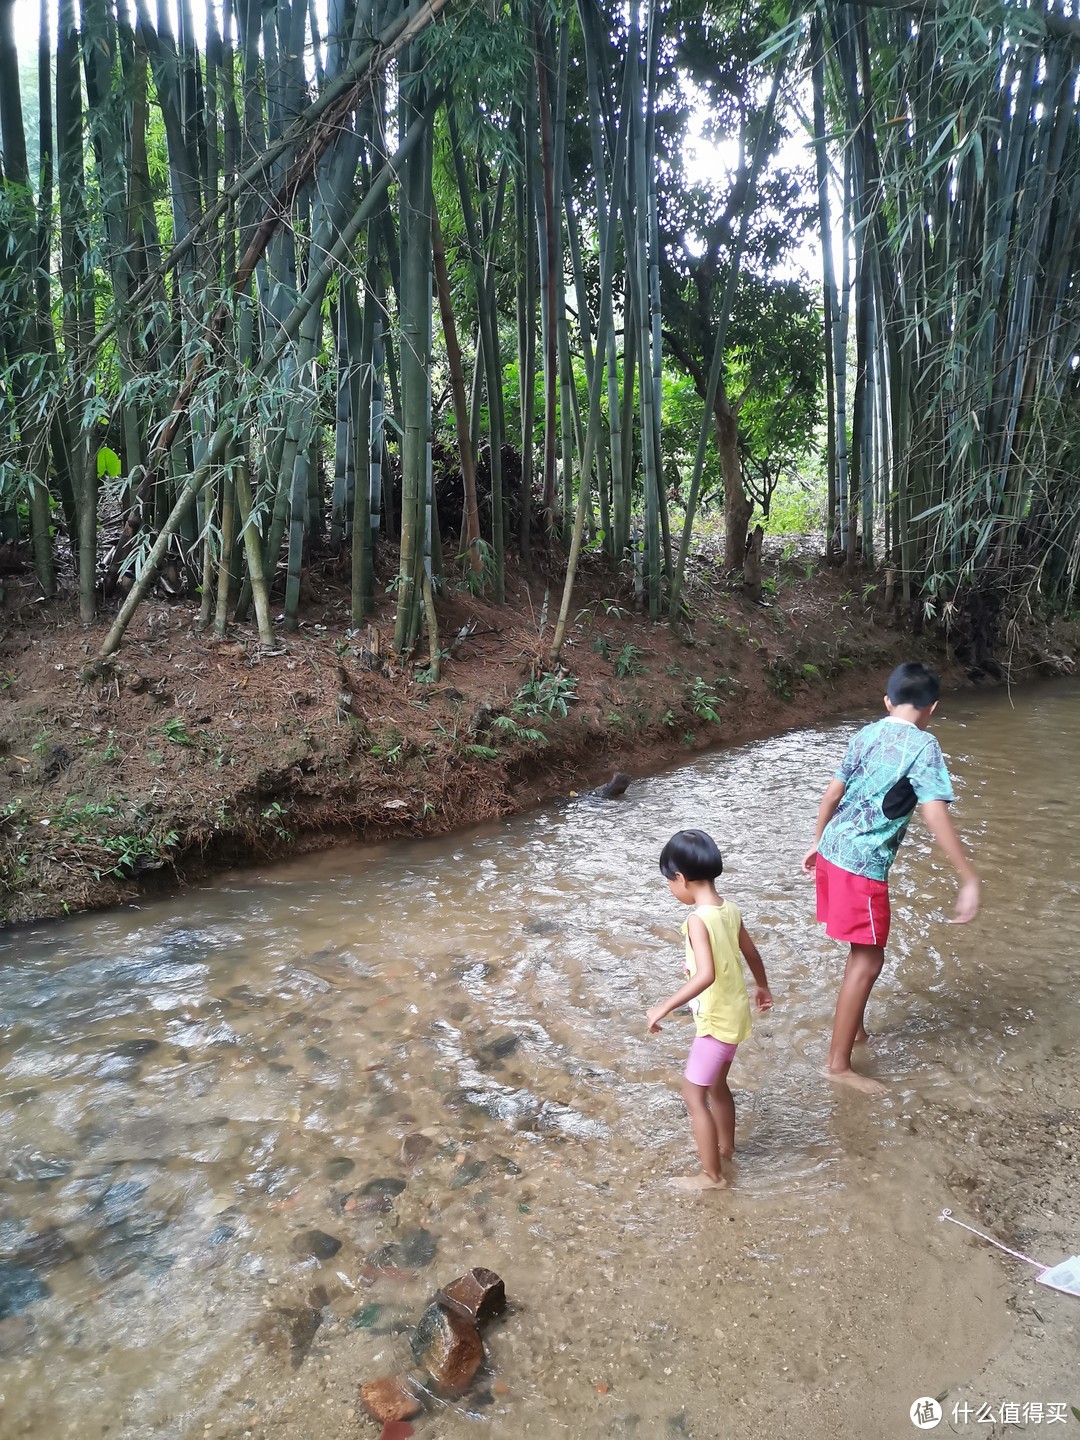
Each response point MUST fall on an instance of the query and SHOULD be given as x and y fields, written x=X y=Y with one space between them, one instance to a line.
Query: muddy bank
x=189 y=754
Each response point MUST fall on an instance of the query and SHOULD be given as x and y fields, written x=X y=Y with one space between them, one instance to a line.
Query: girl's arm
x=762 y=995
x=704 y=974
x=826 y=810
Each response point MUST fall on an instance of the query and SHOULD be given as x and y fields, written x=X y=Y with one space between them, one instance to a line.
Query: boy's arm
x=826 y=810
x=762 y=997
x=939 y=823
x=703 y=977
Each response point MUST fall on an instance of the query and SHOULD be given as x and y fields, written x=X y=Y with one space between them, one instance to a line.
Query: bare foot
x=862 y=1083
x=697 y=1182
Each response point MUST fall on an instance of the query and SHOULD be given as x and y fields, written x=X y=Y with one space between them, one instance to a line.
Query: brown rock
x=478 y=1295
x=448 y=1344
x=389 y=1398
x=288 y=1331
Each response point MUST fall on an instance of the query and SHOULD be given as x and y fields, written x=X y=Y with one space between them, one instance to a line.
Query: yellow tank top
x=723 y=1010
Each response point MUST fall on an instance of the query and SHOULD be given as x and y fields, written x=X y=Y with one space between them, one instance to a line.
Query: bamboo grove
x=953 y=357
x=259 y=279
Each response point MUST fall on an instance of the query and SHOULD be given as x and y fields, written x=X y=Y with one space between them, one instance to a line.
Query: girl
x=715 y=934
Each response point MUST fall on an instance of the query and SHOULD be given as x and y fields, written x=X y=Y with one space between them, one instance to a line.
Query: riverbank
x=190 y=753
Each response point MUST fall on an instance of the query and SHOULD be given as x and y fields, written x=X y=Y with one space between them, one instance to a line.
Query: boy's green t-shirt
x=890 y=767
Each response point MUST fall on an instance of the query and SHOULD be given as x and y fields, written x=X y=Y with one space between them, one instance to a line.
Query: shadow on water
x=247 y=1131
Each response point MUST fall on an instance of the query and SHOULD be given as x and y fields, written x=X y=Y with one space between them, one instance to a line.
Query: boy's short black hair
x=693 y=855
x=914 y=683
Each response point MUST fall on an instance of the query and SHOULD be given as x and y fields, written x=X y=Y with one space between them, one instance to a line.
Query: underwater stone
x=468 y=1172
x=389 y=1398
x=316 y=1243
x=389 y=1186
x=338 y=1167
x=448 y=1344
x=135 y=1049
x=20 y=1287
x=413 y=1251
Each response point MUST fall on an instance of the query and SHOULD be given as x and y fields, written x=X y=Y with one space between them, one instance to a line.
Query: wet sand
x=190 y=1090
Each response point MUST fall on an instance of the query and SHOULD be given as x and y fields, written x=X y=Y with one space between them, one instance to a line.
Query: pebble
x=317 y=1243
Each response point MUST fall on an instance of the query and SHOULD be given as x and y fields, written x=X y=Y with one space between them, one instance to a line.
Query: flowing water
x=196 y=1094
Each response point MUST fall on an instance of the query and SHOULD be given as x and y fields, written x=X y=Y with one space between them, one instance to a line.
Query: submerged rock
x=289 y=1332
x=479 y=1295
x=389 y=1398
x=121 y=1201
x=20 y=1287
x=135 y=1049
x=448 y=1344
x=388 y=1186
x=365 y=1317
x=32 y=1165
x=16 y=1334
x=40 y=1249
x=468 y=1172
x=413 y=1251
x=360 y=1205
x=499 y=1047
x=338 y=1167
x=414 y=1147
x=542 y=926
x=316 y=1243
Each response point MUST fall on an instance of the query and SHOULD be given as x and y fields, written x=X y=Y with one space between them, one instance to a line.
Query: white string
x=948 y=1215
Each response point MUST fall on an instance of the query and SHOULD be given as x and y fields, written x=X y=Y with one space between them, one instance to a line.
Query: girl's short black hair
x=693 y=855
x=914 y=684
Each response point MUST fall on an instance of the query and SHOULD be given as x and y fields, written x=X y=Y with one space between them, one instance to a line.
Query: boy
x=890 y=766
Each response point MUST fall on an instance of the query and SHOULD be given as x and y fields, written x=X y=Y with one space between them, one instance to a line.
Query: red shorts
x=853 y=908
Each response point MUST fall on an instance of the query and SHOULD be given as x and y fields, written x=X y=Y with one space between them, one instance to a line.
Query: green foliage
x=481 y=752
x=277 y=814
x=176 y=731
x=628 y=661
x=781 y=674
x=549 y=694
x=797 y=506
x=478 y=584
x=704 y=701
x=425 y=674
x=108 y=463
x=508 y=726
x=90 y=827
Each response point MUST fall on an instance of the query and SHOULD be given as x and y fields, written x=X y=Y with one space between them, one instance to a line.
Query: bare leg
x=705 y=1138
x=722 y=1105
x=863 y=968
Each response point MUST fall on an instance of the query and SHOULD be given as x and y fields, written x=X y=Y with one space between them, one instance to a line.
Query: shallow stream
x=199 y=1096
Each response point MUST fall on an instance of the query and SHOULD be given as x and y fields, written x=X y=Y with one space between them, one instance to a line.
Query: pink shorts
x=853 y=908
x=707 y=1058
